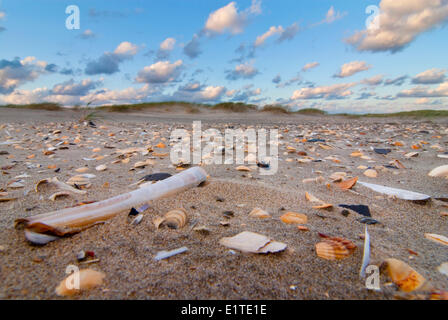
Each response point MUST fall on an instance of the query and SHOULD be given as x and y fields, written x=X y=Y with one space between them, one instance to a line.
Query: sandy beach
x=209 y=270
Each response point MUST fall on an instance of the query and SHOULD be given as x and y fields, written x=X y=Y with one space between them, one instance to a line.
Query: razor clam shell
x=366 y=254
x=90 y=214
x=399 y=193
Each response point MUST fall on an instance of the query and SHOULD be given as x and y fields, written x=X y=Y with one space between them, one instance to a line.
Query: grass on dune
x=36 y=106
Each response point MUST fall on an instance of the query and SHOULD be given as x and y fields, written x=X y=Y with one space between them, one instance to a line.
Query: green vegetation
x=234 y=107
x=36 y=106
x=275 y=109
x=193 y=108
x=408 y=114
x=311 y=111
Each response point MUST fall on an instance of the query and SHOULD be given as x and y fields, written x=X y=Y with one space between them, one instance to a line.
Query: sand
x=209 y=270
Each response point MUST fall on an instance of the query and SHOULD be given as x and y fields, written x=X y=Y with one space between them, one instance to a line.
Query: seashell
x=371 y=173
x=347 y=184
x=16 y=185
x=259 y=213
x=174 y=219
x=399 y=193
x=101 y=167
x=405 y=277
x=7 y=199
x=167 y=254
x=137 y=220
x=337 y=176
x=88 y=279
x=437 y=238
x=252 y=242
x=82 y=170
x=243 y=168
x=311 y=198
x=161 y=145
x=323 y=206
x=81 y=180
x=294 y=218
x=356 y=154
x=443 y=268
x=411 y=155
x=332 y=250
x=303 y=228
x=441 y=171
x=56 y=195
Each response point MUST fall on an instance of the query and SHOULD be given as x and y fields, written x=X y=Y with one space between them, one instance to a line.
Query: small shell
x=174 y=219
x=312 y=198
x=87 y=279
x=347 y=184
x=101 y=167
x=437 y=238
x=323 y=206
x=82 y=170
x=331 y=250
x=44 y=181
x=243 y=168
x=56 y=195
x=406 y=278
x=411 y=155
x=137 y=220
x=337 y=176
x=441 y=171
x=259 y=213
x=371 y=173
x=294 y=218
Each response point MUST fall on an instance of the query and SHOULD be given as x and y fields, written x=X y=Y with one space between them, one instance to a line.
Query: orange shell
x=405 y=277
x=294 y=218
x=331 y=250
x=347 y=184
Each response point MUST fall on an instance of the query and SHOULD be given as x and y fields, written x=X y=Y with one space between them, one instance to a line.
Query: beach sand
x=208 y=270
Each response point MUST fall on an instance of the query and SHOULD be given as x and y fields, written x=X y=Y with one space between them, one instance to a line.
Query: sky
x=340 y=56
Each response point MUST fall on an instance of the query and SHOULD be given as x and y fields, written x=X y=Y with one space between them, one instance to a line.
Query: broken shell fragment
x=80 y=280
x=405 y=277
x=253 y=243
x=347 y=184
x=56 y=195
x=294 y=218
x=259 y=213
x=437 y=238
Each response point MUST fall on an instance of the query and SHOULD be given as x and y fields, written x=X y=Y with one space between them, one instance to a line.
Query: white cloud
x=126 y=50
x=160 y=72
x=400 y=22
x=284 y=34
x=168 y=44
x=335 y=91
x=373 y=81
x=351 y=68
x=228 y=19
x=14 y=73
x=242 y=71
x=88 y=34
x=424 y=92
x=271 y=32
x=128 y=95
x=332 y=15
x=432 y=76
x=310 y=66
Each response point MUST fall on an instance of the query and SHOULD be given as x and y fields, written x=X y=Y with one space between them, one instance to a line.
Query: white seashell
x=441 y=171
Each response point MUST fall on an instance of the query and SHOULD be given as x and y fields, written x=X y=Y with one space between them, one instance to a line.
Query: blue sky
x=253 y=51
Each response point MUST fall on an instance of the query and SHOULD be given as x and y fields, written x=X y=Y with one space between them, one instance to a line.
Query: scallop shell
x=347 y=184
x=441 y=171
x=88 y=279
x=331 y=250
x=312 y=198
x=259 y=213
x=294 y=218
x=437 y=238
x=405 y=277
